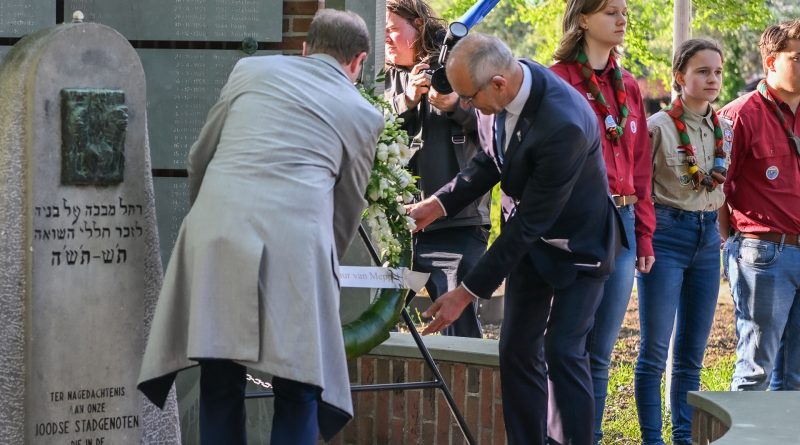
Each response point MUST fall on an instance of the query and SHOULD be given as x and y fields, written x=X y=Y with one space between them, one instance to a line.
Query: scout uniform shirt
x=763 y=184
x=672 y=183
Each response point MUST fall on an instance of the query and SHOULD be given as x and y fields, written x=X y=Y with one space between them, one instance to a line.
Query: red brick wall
x=297 y=15
x=422 y=416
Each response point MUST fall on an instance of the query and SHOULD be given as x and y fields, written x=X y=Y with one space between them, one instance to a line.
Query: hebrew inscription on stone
x=88 y=233
x=93 y=126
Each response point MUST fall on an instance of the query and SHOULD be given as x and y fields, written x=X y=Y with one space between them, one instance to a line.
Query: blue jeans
x=222 y=407
x=765 y=282
x=608 y=318
x=295 y=418
x=681 y=290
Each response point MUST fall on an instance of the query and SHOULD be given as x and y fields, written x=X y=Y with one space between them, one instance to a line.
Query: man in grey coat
x=277 y=179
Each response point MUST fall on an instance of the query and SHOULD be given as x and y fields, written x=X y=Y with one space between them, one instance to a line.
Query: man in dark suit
x=557 y=246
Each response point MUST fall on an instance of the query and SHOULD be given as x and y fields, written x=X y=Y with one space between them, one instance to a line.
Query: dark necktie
x=500 y=134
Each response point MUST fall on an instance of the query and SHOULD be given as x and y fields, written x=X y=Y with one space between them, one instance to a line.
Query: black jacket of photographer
x=446 y=142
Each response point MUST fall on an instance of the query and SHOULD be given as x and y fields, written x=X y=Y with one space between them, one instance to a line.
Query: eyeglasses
x=468 y=99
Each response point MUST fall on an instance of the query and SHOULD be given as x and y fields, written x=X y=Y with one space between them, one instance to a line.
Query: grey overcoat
x=277 y=179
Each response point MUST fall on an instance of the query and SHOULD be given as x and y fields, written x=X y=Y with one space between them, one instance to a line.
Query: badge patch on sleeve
x=633 y=127
x=772 y=173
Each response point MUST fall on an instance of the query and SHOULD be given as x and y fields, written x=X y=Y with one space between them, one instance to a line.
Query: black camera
x=439 y=82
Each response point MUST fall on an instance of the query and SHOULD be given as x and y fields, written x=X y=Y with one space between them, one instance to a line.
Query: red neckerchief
x=613 y=130
x=718 y=173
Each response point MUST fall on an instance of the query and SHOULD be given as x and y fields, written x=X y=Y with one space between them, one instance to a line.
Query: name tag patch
x=772 y=173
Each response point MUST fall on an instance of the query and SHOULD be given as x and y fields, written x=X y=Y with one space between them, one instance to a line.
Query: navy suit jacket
x=565 y=219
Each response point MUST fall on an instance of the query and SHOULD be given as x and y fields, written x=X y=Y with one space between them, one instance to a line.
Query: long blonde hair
x=573 y=39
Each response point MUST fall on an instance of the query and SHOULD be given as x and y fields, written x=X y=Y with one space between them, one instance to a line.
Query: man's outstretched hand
x=425 y=212
x=446 y=309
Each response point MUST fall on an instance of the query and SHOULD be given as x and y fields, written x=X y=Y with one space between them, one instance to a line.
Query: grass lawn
x=621 y=424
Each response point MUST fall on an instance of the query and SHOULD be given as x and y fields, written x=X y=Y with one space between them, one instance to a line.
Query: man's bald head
x=482 y=57
x=484 y=73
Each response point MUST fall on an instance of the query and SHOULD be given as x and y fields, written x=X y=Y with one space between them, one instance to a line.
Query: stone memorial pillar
x=79 y=260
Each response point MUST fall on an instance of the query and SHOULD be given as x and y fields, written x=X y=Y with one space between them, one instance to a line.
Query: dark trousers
x=222 y=407
x=222 y=412
x=543 y=349
x=448 y=254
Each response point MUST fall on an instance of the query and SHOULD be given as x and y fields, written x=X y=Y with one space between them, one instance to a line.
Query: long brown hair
x=427 y=44
x=573 y=39
x=685 y=52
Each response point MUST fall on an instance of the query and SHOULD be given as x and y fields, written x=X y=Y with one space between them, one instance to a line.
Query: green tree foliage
x=533 y=29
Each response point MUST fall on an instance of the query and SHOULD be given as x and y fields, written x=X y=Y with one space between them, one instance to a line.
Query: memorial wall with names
x=198 y=20
x=182 y=83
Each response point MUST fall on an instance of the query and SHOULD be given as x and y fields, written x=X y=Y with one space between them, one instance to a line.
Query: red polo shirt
x=763 y=183
x=629 y=164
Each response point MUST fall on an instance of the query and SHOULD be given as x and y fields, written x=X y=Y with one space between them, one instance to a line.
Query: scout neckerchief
x=613 y=130
x=762 y=88
x=718 y=173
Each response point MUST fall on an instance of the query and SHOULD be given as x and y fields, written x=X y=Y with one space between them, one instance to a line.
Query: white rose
x=394 y=149
x=383 y=152
x=405 y=154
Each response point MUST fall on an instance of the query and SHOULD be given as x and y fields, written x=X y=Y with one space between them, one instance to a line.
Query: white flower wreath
x=390 y=187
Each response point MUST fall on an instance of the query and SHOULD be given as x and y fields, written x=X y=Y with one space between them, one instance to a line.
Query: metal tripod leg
x=438 y=382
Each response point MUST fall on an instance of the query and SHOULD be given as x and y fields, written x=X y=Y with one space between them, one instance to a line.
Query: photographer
x=445 y=134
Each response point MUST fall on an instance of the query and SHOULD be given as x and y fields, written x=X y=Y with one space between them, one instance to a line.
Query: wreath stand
x=437 y=382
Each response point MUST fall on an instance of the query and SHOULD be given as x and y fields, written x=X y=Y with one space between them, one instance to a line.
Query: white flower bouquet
x=390 y=186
